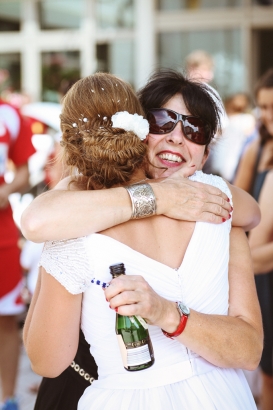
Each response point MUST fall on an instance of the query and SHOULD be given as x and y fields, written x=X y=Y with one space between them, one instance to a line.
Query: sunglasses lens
x=161 y=121
x=195 y=131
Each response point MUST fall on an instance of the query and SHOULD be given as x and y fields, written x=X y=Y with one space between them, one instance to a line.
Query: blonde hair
x=103 y=156
x=198 y=58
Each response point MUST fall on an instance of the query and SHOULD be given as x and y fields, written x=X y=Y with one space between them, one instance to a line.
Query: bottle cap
x=117 y=269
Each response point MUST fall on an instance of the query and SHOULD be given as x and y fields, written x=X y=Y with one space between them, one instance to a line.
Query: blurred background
x=47 y=45
x=44 y=41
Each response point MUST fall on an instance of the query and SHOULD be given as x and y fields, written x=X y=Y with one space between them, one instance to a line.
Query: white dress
x=179 y=378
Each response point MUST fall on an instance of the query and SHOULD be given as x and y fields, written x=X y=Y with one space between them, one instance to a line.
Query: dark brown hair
x=199 y=98
x=266 y=81
x=103 y=156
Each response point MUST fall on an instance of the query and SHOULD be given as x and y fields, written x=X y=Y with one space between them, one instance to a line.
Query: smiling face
x=265 y=103
x=173 y=151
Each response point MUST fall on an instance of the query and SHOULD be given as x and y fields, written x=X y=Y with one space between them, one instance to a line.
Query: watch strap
x=180 y=328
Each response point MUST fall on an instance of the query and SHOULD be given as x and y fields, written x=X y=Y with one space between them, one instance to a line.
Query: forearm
x=246 y=212
x=60 y=214
x=225 y=341
x=20 y=182
x=65 y=214
x=262 y=257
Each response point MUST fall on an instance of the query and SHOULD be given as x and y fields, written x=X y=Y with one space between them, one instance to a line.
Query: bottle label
x=135 y=353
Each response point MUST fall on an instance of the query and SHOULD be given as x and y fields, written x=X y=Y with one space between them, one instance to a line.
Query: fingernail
x=228 y=200
x=116 y=309
x=223 y=220
x=106 y=300
x=232 y=208
x=229 y=216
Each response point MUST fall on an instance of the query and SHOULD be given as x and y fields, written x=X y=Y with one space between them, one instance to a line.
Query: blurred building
x=43 y=42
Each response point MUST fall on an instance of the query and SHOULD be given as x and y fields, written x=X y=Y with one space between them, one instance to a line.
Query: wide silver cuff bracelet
x=143 y=200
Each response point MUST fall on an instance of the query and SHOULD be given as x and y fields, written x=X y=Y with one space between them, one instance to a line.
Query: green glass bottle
x=133 y=336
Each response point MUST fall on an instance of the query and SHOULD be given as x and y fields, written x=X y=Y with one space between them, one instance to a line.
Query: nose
x=176 y=136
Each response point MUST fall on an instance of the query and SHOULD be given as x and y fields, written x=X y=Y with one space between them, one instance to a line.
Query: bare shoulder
x=67 y=184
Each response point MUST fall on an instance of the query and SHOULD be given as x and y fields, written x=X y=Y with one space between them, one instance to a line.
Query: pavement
x=26 y=378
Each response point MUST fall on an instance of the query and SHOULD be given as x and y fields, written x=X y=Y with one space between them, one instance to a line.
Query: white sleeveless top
x=179 y=378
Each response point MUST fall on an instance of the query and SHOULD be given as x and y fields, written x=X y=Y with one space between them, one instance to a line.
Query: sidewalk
x=25 y=380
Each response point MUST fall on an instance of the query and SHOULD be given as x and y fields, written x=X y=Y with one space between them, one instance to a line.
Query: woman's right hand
x=179 y=198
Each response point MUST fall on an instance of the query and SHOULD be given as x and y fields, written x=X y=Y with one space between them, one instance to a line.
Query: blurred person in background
x=200 y=65
x=238 y=132
x=261 y=244
x=255 y=164
x=15 y=145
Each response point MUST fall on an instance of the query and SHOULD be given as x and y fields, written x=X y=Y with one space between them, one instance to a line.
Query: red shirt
x=15 y=144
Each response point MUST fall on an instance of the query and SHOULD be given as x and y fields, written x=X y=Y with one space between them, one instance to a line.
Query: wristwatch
x=184 y=314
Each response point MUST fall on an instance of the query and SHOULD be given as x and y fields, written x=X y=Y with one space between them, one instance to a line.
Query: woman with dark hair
x=201 y=308
x=254 y=176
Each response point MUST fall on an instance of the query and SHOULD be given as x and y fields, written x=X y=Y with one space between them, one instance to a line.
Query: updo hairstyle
x=100 y=156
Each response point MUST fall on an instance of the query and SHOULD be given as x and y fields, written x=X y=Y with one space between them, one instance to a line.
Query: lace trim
x=67 y=261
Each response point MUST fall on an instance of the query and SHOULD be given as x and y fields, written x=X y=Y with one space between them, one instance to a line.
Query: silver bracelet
x=143 y=200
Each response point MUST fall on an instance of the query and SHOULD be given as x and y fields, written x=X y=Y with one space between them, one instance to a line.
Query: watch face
x=184 y=310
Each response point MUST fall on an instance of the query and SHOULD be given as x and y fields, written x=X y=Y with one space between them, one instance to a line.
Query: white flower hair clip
x=131 y=122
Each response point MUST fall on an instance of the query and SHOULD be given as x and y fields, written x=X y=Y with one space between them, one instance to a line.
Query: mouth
x=170 y=159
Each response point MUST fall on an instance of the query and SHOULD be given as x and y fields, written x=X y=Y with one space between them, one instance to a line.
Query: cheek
x=200 y=156
x=152 y=143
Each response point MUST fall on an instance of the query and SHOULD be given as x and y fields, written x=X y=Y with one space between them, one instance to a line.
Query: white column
x=30 y=53
x=88 y=59
x=145 y=48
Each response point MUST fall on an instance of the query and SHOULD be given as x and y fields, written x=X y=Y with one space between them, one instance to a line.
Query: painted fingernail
x=231 y=208
x=106 y=300
x=229 y=216
x=223 y=220
x=116 y=309
x=228 y=200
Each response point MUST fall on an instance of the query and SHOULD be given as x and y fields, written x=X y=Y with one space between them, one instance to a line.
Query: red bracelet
x=184 y=312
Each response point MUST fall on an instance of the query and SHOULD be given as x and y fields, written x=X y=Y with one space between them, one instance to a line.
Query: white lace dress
x=179 y=378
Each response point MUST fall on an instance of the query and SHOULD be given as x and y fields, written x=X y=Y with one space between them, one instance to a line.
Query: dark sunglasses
x=163 y=121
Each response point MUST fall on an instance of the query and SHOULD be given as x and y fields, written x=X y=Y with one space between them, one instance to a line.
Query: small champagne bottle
x=133 y=336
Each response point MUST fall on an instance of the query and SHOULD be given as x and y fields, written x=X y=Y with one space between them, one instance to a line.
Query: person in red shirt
x=15 y=145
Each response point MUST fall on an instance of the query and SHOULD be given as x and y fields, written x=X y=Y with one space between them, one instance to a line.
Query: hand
x=179 y=198
x=4 y=196
x=132 y=295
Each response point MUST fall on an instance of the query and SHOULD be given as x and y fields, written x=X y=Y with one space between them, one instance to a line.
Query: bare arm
x=19 y=184
x=247 y=213
x=261 y=238
x=234 y=341
x=51 y=332
x=246 y=167
x=64 y=214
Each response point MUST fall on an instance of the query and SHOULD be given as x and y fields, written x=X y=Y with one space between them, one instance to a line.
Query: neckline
x=151 y=260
